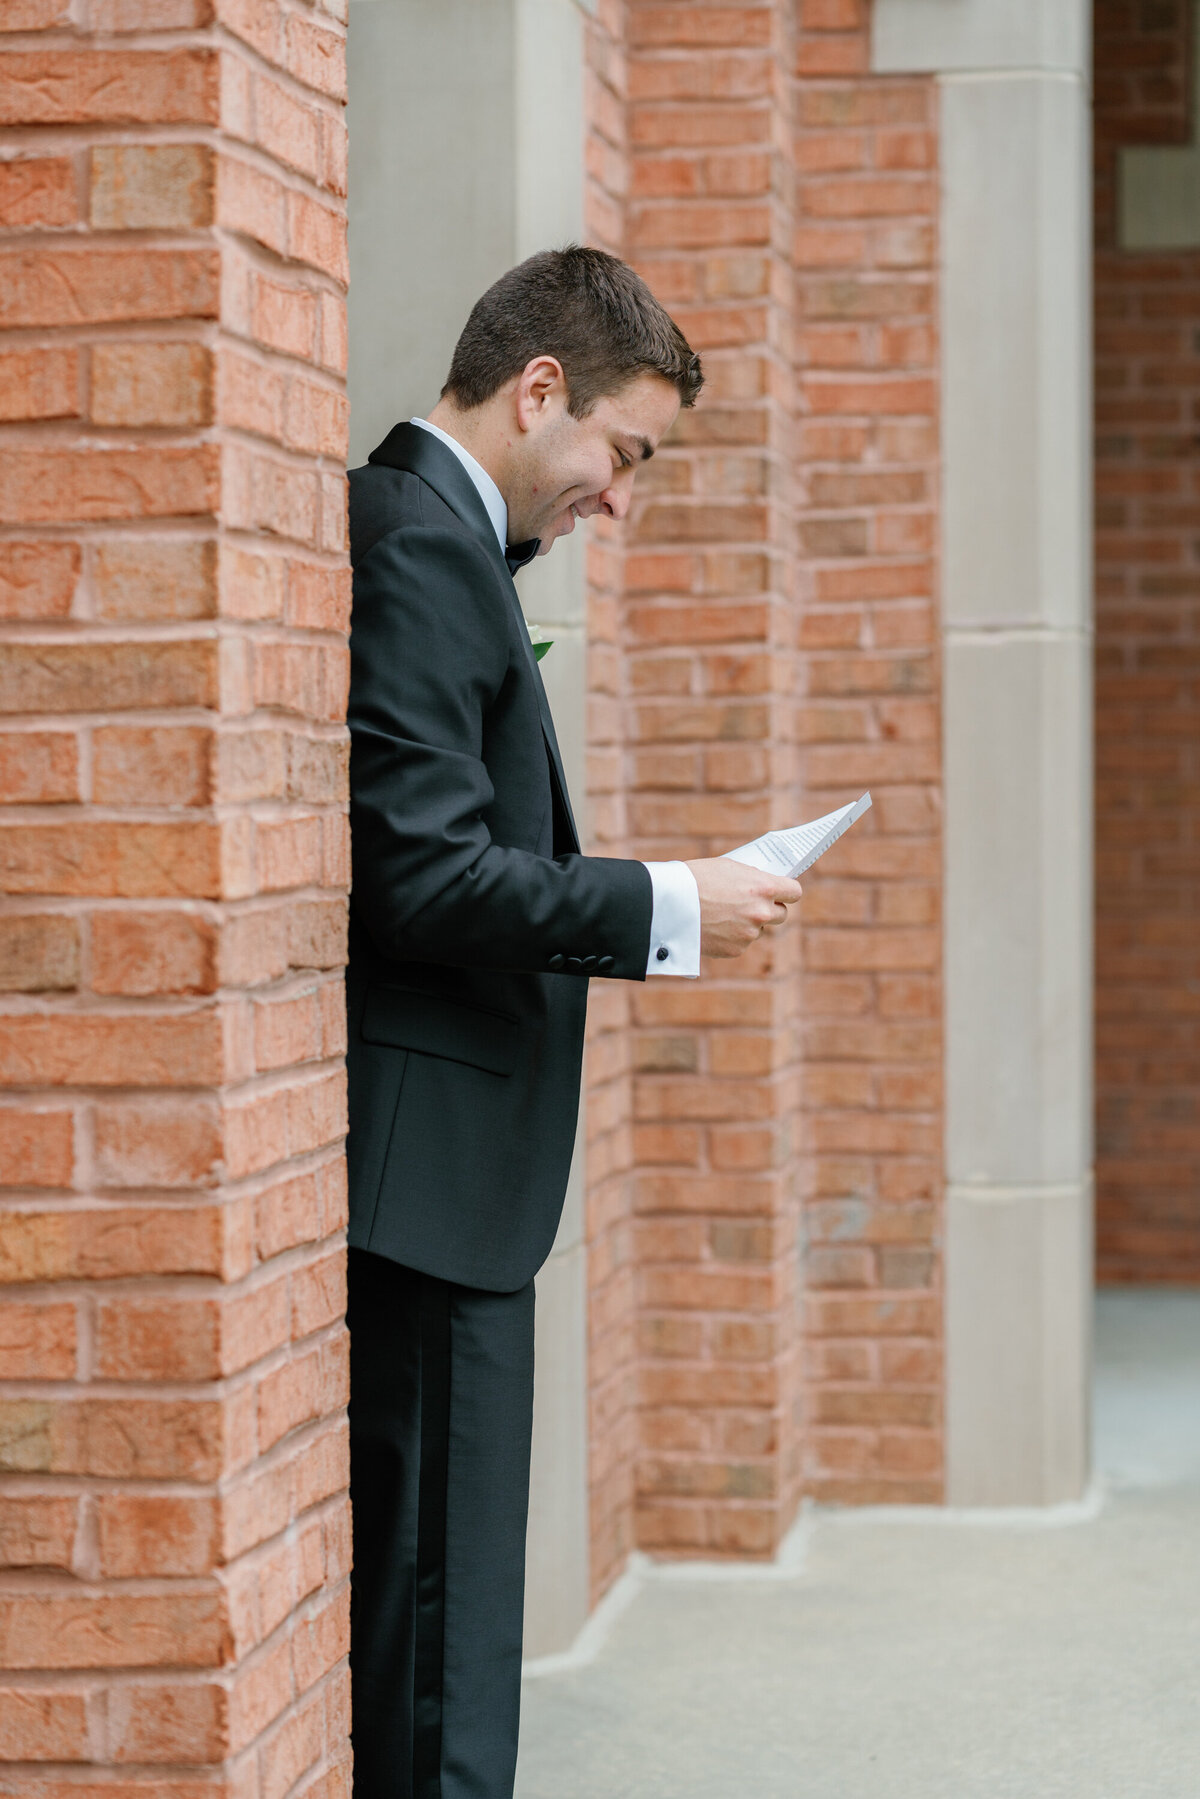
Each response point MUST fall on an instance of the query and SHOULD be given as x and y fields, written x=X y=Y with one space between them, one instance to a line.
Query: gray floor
x=926 y=1657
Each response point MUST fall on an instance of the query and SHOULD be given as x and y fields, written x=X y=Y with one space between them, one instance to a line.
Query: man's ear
x=541 y=391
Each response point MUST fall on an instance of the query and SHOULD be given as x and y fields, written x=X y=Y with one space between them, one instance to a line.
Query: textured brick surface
x=710 y=627
x=1148 y=680
x=775 y=653
x=865 y=254
x=612 y=1347
x=173 y=1512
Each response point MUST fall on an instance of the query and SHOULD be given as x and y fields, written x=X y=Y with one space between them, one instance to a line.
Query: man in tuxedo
x=476 y=923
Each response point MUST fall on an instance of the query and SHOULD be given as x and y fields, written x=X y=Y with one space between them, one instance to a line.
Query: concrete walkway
x=925 y=1655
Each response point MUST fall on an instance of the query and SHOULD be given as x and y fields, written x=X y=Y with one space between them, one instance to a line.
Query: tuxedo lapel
x=408 y=447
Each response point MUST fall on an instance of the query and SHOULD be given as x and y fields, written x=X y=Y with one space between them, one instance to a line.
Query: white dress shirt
x=675 y=918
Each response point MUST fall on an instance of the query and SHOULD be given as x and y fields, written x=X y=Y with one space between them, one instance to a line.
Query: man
x=475 y=924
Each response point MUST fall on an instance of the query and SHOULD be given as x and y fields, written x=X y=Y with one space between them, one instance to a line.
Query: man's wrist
x=674 y=921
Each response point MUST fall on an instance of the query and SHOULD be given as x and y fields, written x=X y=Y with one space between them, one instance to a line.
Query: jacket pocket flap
x=406 y=1019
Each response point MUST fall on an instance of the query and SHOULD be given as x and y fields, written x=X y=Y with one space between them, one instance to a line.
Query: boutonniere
x=540 y=642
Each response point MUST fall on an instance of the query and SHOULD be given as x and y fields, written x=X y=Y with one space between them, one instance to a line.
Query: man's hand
x=737 y=904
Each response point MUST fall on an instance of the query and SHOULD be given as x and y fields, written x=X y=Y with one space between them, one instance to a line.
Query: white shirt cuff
x=675 y=920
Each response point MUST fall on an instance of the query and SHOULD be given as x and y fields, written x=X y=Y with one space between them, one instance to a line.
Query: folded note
x=791 y=852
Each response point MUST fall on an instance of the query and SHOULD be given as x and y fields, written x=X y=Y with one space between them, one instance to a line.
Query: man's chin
x=561 y=526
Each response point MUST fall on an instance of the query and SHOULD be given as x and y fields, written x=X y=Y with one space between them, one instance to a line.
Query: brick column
x=710 y=629
x=867 y=356
x=612 y=1298
x=1147 y=668
x=173 y=1515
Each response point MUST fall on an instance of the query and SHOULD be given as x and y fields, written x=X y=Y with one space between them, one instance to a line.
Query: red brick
x=317 y=236
x=37 y=1725
x=168 y=1722
x=37 y=1147
x=88 y=86
x=39 y=384
x=114 y=860
x=710 y=27
x=715 y=76
x=141 y=187
x=316 y=56
x=148 y=15
x=152 y=952
x=37 y=1341
x=111 y=1630
x=817 y=56
x=38 y=1530
x=106 y=1050
x=699 y=225
x=97 y=286
x=37 y=580
x=38 y=952
x=145 y=578
x=39 y=767
x=34 y=15
x=833 y=15
x=71 y=677
x=109 y=484
x=287 y=128
x=146 y=1535
x=151 y=384
x=156 y=1143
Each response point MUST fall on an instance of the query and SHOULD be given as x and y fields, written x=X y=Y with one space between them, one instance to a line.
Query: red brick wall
x=1148 y=668
x=612 y=1344
x=869 y=716
x=173 y=1517
x=778 y=640
x=710 y=632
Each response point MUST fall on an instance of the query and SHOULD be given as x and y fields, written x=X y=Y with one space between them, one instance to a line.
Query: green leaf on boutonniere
x=539 y=642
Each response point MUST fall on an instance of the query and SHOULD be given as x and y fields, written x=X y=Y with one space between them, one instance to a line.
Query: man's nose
x=614 y=502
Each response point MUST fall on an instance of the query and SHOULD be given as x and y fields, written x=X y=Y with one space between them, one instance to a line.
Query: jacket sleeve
x=429 y=653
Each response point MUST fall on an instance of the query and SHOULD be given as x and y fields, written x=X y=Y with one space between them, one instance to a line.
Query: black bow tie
x=518 y=554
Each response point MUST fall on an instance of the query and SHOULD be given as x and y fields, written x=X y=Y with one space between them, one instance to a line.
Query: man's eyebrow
x=643 y=444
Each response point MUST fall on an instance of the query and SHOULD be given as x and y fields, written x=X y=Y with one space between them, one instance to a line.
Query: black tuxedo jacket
x=474 y=919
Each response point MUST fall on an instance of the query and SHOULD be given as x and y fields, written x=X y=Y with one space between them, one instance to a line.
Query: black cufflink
x=663 y=953
x=555 y=964
x=605 y=964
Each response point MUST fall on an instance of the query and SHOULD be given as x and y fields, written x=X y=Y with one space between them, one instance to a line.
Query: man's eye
x=626 y=461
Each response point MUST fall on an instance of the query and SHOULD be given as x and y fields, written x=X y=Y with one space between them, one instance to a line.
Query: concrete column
x=1016 y=429
x=466 y=155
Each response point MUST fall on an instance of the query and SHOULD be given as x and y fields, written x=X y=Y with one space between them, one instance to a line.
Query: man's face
x=571 y=468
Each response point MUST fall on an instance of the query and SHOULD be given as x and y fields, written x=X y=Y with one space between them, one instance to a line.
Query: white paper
x=791 y=852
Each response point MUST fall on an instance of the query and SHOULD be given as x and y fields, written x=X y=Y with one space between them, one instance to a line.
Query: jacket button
x=589 y=964
x=555 y=964
x=574 y=965
x=605 y=964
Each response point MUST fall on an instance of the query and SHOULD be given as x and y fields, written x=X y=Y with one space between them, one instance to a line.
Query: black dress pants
x=441 y=1411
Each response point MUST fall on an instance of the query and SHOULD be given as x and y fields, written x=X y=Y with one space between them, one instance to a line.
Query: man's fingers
x=786 y=893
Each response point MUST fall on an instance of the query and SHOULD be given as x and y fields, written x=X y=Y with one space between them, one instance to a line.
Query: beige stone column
x=466 y=151
x=1015 y=245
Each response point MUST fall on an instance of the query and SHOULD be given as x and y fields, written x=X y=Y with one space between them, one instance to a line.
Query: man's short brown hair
x=587 y=309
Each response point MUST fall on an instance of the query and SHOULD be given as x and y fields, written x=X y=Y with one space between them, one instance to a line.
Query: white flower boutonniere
x=541 y=643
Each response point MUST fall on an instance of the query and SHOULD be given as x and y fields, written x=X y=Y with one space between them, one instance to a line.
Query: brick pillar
x=867 y=356
x=1148 y=661
x=709 y=626
x=612 y=1299
x=173 y=1515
